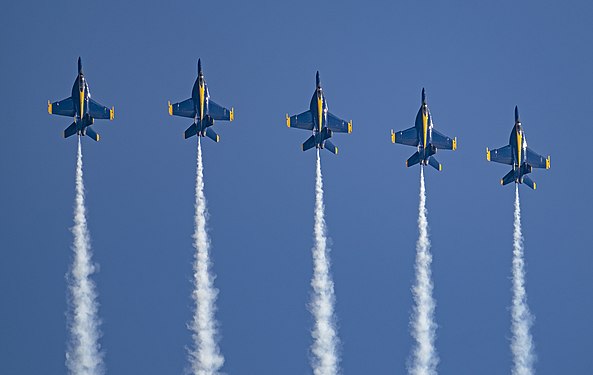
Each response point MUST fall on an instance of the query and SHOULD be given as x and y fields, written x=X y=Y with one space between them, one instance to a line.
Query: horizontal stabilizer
x=529 y=182
x=91 y=133
x=330 y=147
x=509 y=177
x=413 y=160
x=191 y=131
x=309 y=143
x=435 y=164
x=70 y=130
x=212 y=135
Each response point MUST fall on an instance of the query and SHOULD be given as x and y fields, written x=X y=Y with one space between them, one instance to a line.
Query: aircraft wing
x=99 y=111
x=443 y=142
x=63 y=107
x=406 y=137
x=218 y=112
x=183 y=109
x=536 y=160
x=338 y=125
x=302 y=121
x=502 y=155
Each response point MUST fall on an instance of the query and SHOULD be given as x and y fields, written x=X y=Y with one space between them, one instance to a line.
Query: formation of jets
x=317 y=119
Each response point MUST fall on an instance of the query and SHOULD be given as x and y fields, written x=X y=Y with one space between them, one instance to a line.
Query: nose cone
x=79 y=65
x=517 y=115
x=423 y=96
x=199 y=67
x=317 y=81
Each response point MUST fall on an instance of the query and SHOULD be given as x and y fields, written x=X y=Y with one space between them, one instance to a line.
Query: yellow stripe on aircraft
x=519 y=146
x=425 y=126
x=81 y=103
x=319 y=109
x=287 y=120
x=201 y=102
x=49 y=107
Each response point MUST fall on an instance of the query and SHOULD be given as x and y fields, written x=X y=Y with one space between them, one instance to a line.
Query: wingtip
x=111 y=114
x=350 y=127
x=487 y=154
x=287 y=120
x=548 y=162
x=170 y=108
x=454 y=143
x=232 y=115
x=49 y=107
x=392 y=136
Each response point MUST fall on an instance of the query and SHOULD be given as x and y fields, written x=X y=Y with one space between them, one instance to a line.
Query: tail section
x=435 y=164
x=212 y=135
x=70 y=130
x=92 y=134
x=330 y=147
x=509 y=177
x=529 y=182
x=309 y=143
x=413 y=160
x=191 y=131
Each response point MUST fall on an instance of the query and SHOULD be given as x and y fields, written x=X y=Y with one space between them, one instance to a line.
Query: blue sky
x=477 y=61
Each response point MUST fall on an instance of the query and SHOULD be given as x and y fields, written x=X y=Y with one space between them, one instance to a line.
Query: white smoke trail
x=425 y=358
x=522 y=343
x=84 y=352
x=325 y=340
x=205 y=356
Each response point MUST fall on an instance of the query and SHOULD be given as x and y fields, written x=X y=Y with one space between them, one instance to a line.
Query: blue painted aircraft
x=80 y=106
x=423 y=136
x=202 y=109
x=319 y=120
x=522 y=158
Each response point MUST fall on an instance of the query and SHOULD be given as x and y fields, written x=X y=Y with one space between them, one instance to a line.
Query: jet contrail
x=425 y=358
x=522 y=343
x=84 y=352
x=325 y=339
x=205 y=357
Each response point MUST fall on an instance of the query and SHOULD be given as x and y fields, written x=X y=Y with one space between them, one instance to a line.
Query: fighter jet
x=319 y=120
x=522 y=158
x=423 y=136
x=80 y=106
x=202 y=109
